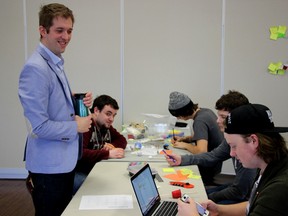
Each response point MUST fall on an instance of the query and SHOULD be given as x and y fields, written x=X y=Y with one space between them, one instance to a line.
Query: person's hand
x=175 y=139
x=211 y=207
x=83 y=123
x=180 y=145
x=88 y=99
x=116 y=153
x=187 y=208
x=108 y=146
x=173 y=160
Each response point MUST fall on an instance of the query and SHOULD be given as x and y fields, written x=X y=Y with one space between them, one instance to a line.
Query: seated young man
x=206 y=133
x=102 y=141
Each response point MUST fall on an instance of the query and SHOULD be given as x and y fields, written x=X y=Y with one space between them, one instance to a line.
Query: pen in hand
x=174 y=138
x=173 y=159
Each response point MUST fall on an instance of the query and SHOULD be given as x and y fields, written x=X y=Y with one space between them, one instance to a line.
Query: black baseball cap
x=251 y=118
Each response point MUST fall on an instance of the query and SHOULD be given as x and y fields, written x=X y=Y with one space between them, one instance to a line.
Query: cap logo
x=269 y=113
x=229 y=119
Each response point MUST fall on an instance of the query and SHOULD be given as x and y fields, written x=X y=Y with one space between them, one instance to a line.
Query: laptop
x=148 y=197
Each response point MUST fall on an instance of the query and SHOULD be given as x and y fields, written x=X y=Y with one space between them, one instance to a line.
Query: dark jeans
x=51 y=193
x=212 y=190
x=78 y=181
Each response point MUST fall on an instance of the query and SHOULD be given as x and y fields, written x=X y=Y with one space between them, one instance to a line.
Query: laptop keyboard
x=167 y=208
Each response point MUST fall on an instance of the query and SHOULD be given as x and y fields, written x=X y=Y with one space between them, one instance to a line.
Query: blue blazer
x=52 y=141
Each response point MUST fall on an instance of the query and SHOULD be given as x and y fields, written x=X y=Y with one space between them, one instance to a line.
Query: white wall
x=139 y=51
x=12 y=133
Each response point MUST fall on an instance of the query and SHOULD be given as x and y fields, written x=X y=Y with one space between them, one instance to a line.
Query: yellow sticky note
x=187 y=172
x=273 y=36
x=274 y=30
x=272 y=67
x=276 y=68
x=274 y=33
x=273 y=72
x=279 y=65
x=196 y=177
x=167 y=170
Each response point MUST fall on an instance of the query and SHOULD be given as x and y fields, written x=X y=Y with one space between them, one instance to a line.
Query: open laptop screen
x=145 y=189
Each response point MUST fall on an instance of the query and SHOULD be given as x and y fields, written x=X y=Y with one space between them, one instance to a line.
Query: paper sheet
x=90 y=202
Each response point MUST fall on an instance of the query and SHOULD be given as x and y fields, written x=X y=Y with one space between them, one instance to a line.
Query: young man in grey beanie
x=206 y=133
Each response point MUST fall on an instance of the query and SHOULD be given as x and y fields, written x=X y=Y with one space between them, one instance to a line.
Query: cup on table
x=176 y=194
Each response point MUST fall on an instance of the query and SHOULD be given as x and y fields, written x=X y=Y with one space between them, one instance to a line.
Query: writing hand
x=173 y=159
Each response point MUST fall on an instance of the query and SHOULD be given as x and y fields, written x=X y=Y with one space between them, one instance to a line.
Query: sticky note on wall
x=277 y=32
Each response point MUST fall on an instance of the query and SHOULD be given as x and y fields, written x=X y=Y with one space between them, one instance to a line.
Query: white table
x=112 y=178
x=153 y=147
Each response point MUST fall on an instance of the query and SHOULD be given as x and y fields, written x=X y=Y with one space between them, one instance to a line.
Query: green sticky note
x=281 y=72
x=282 y=30
x=280 y=35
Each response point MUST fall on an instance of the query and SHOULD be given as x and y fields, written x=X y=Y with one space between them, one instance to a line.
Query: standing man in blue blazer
x=53 y=143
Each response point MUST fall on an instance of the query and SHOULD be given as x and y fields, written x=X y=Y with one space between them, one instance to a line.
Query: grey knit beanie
x=178 y=100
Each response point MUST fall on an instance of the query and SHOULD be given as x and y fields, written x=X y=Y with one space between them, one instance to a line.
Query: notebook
x=148 y=197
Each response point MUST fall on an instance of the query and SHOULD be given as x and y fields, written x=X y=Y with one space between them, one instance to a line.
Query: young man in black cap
x=257 y=143
x=206 y=133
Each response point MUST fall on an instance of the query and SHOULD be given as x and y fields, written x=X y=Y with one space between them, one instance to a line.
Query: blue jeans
x=78 y=181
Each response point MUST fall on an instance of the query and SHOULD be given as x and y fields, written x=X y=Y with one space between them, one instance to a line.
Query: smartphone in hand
x=201 y=210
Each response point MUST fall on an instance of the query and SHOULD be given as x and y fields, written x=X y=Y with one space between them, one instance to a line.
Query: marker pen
x=173 y=159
